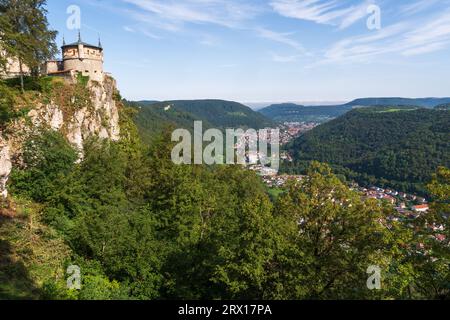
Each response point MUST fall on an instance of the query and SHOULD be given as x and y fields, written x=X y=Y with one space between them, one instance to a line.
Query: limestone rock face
x=5 y=166
x=100 y=119
x=47 y=116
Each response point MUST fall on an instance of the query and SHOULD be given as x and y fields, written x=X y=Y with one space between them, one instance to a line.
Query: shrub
x=6 y=104
x=48 y=159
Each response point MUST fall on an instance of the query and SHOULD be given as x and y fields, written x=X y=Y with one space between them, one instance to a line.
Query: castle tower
x=85 y=58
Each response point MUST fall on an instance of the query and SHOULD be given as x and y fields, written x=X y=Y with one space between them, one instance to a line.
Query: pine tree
x=5 y=31
x=28 y=37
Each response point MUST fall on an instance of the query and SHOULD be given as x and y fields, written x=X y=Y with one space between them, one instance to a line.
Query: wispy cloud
x=403 y=38
x=331 y=12
x=150 y=35
x=129 y=29
x=358 y=47
x=219 y=12
x=228 y=65
x=426 y=32
x=284 y=58
x=428 y=48
x=279 y=37
x=209 y=40
x=143 y=31
x=434 y=35
x=418 y=6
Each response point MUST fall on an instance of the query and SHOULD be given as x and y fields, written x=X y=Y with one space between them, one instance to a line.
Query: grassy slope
x=30 y=252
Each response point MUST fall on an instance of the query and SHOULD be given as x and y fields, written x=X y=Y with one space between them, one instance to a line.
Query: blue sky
x=267 y=50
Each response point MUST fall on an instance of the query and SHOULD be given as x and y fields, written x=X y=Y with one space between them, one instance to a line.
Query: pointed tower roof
x=80 y=41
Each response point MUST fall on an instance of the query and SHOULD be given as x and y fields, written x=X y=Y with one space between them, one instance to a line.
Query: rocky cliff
x=75 y=109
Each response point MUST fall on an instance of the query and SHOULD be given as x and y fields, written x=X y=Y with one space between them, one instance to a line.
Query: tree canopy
x=141 y=227
x=27 y=36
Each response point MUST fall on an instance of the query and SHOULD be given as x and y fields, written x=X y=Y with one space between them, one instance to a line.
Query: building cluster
x=285 y=156
x=279 y=181
x=286 y=133
x=263 y=171
x=292 y=130
x=408 y=205
x=251 y=144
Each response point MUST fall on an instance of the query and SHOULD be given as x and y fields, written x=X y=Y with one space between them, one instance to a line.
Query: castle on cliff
x=77 y=58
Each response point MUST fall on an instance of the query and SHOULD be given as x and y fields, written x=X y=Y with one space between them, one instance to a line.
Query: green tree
x=5 y=28
x=331 y=237
x=108 y=223
x=48 y=159
x=433 y=237
x=242 y=241
x=232 y=241
x=6 y=104
x=28 y=37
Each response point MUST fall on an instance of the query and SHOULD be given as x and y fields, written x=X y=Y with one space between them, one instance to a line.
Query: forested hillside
x=398 y=146
x=292 y=112
x=151 y=117
x=140 y=227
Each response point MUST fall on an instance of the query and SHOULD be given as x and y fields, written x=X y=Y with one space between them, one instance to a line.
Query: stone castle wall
x=79 y=58
x=53 y=66
x=13 y=69
x=87 y=60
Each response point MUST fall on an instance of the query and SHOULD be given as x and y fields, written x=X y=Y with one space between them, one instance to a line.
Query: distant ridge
x=419 y=102
x=293 y=112
x=146 y=103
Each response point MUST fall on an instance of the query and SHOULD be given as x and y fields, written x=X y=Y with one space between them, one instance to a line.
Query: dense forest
x=391 y=146
x=141 y=227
